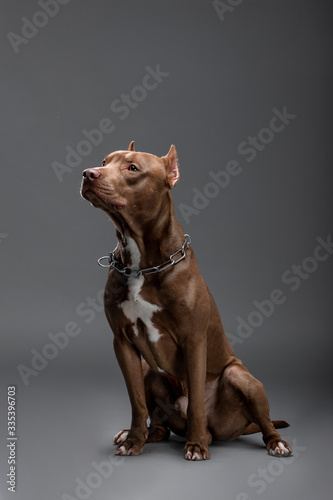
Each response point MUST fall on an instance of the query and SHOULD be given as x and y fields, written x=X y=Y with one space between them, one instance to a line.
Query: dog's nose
x=91 y=174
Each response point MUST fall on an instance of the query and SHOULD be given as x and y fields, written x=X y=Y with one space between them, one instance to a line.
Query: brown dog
x=159 y=307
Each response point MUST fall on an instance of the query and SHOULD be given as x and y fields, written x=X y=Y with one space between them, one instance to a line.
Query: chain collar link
x=128 y=271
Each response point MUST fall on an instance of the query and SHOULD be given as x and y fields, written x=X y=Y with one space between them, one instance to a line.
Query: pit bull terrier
x=178 y=365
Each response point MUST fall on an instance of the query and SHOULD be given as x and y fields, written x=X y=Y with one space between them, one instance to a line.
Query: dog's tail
x=253 y=428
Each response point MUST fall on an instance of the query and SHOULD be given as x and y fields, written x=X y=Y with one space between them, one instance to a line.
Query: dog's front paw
x=120 y=437
x=196 y=451
x=279 y=448
x=128 y=443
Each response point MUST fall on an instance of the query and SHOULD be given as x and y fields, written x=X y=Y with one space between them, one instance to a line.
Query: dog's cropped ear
x=131 y=147
x=171 y=167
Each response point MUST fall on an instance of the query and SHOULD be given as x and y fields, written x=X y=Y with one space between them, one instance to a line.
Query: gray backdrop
x=243 y=89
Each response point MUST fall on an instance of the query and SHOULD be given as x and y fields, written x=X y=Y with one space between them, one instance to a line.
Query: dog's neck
x=156 y=237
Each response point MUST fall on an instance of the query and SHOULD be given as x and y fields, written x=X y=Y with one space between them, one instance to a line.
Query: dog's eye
x=132 y=168
x=103 y=163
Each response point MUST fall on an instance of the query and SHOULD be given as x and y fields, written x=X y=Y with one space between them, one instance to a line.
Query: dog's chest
x=135 y=307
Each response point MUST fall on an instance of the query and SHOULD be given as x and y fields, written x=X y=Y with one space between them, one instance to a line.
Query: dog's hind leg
x=241 y=400
x=161 y=400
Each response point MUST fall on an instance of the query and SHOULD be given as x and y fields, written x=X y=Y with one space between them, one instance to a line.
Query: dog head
x=131 y=183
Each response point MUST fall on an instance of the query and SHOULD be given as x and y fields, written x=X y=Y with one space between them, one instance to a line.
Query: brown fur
x=204 y=391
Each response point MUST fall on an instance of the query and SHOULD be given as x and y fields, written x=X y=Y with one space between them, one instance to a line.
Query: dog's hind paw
x=157 y=433
x=279 y=448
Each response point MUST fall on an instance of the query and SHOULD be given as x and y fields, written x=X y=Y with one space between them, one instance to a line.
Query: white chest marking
x=136 y=307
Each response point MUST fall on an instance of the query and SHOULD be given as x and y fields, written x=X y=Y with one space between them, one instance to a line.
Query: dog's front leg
x=196 y=447
x=131 y=442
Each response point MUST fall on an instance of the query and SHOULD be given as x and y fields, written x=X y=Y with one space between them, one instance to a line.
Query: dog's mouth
x=98 y=199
